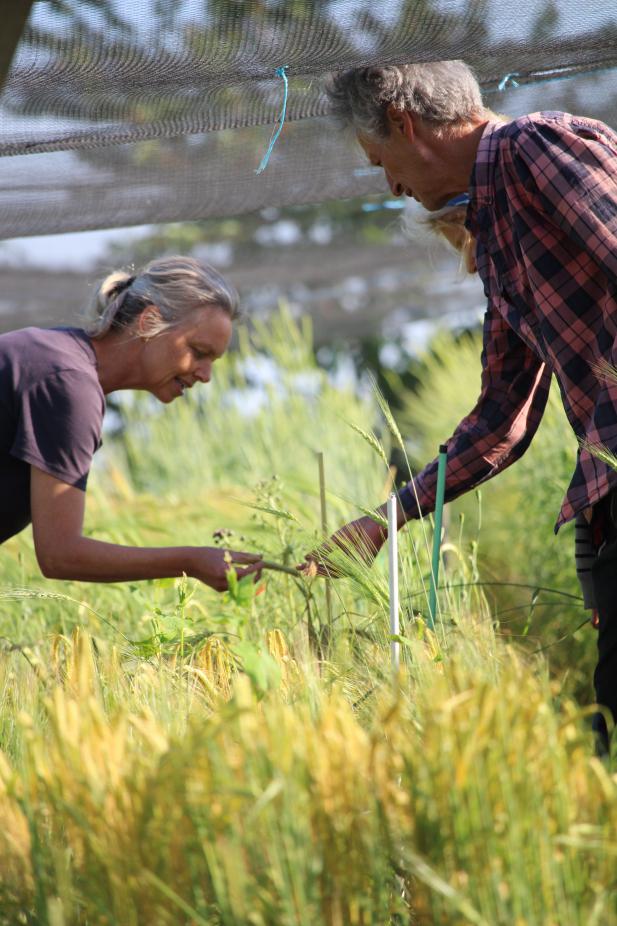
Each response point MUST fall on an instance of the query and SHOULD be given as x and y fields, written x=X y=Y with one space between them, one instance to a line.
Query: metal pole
x=393 y=563
x=439 y=499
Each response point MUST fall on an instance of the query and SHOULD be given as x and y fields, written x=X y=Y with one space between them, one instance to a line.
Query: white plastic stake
x=395 y=647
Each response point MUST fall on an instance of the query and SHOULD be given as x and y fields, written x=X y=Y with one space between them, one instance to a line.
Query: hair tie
x=113 y=307
x=124 y=284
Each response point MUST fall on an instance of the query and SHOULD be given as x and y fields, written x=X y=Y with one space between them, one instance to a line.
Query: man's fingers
x=321 y=566
x=309 y=569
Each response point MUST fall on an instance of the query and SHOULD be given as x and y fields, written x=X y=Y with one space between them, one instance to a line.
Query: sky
x=73 y=251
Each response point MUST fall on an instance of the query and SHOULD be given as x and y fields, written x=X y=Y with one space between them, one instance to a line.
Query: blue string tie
x=280 y=72
x=508 y=79
x=461 y=200
x=535 y=77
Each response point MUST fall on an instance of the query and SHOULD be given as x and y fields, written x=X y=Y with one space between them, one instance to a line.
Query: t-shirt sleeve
x=59 y=426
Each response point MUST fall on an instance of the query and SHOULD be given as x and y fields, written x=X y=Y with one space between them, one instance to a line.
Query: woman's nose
x=203 y=371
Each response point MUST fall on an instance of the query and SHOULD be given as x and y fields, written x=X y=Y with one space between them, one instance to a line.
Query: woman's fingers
x=238 y=558
x=254 y=570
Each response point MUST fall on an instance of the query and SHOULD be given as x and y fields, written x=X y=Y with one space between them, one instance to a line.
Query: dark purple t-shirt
x=51 y=414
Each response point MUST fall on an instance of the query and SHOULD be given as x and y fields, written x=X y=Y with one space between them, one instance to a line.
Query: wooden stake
x=439 y=500
x=324 y=527
x=395 y=647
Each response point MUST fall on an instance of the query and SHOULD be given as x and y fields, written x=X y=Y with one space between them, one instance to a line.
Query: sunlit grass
x=169 y=755
x=185 y=793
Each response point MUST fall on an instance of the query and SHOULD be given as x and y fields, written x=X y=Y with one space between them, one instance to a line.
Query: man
x=543 y=211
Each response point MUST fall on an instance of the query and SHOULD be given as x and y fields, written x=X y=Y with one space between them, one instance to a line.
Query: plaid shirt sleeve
x=499 y=429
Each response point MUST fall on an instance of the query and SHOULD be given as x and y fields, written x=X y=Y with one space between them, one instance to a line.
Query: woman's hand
x=211 y=565
x=64 y=553
x=363 y=538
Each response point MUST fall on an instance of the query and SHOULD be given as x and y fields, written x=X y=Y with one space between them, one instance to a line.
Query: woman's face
x=183 y=355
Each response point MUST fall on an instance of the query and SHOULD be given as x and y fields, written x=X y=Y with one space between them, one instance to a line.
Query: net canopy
x=117 y=114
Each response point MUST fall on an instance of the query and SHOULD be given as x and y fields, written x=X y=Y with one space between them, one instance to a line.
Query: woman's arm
x=64 y=553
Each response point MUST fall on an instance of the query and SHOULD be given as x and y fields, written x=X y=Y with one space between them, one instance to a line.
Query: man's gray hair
x=441 y=92
x=175 y=285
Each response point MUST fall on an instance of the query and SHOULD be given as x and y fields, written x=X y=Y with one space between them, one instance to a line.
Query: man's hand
x=362 y=539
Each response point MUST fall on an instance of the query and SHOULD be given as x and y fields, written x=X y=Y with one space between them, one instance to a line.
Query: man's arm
x=515 y=386
x=514 y=390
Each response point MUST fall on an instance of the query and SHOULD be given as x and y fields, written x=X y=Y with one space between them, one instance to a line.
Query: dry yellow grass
x=466 y=797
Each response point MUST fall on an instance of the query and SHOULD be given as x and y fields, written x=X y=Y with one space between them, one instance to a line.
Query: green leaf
x=232 y=583
x=398 y=638
x=246 y=591
x=276 y=512
x=371 y=440
x=262 y=669
x=374 y=516
x=241 y=591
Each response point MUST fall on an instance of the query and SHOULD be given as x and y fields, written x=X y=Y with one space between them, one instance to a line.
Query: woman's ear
x=148 y=322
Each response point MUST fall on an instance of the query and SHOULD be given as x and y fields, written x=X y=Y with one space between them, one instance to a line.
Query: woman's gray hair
x=175 y=285
x=441 y=92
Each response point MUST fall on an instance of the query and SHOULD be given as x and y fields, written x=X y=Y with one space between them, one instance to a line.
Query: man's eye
x=198 y=354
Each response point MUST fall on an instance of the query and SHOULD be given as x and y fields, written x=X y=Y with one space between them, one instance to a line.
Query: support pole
x=439 y=500
x=395 y=646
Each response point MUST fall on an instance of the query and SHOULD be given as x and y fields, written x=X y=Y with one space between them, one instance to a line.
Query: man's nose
x=397 y=189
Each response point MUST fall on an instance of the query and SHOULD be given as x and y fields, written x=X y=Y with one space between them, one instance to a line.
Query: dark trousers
x=604 y=579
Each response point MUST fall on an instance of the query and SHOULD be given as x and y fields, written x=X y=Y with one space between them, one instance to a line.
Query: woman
x=160 y=331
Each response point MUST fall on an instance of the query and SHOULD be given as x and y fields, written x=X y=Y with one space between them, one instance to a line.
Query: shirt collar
x=481 y=180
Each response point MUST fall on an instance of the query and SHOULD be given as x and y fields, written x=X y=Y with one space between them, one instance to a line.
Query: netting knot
x=509 y=79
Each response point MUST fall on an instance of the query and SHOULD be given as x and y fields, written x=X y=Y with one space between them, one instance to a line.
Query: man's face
x=409 y=165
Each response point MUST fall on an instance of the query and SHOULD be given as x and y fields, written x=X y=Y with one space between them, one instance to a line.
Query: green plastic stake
x=439 y=497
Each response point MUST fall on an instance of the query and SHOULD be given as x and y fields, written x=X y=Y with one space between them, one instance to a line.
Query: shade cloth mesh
x=119 y=113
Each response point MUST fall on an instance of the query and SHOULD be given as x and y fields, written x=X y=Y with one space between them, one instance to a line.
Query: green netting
x=158 y=110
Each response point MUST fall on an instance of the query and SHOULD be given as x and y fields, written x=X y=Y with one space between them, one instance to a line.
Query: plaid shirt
x=543 y=209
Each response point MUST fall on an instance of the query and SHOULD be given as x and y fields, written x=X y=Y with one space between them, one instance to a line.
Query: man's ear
x=148 y=322
x=400 y=122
